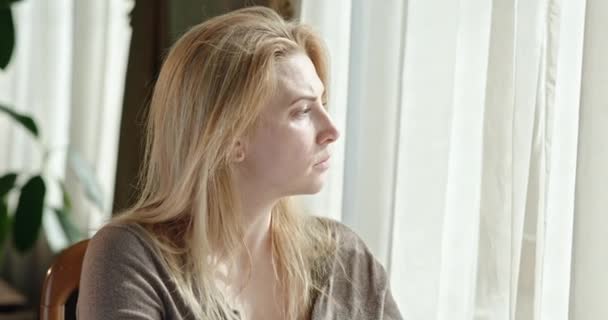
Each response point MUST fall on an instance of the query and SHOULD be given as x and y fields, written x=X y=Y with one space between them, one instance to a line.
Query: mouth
x=323 y=163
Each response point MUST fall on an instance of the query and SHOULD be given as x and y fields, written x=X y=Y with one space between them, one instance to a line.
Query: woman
x=237 y=124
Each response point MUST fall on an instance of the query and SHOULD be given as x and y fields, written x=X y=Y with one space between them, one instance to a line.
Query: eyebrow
x=306 y=96
x=311 y=98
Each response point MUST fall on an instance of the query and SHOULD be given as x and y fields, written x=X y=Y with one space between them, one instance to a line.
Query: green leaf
x=64 y=216
x=28 y=216
x=71 y=231
x=7 y=182
x=7 y=35
x=84 y=172
x=7 y=3
x=27 y=122
x=67 y=203
x=4 y=223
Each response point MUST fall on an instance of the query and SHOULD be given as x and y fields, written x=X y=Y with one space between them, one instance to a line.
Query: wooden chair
x=62 y=280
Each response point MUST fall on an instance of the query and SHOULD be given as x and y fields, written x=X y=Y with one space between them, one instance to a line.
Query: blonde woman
x=237 y=124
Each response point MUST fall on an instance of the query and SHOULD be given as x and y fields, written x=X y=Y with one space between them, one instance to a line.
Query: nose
x=328 y=133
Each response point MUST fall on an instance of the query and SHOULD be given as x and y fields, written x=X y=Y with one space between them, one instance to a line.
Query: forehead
x=296 y=75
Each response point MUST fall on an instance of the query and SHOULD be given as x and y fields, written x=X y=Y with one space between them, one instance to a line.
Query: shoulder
x=348 y=241
x=358 y=285
x=352 y=259
x=120 y=252
x=123 y=275
x=118 y=234
x=120 y=241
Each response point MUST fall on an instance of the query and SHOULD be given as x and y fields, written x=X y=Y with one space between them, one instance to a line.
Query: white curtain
x=67 y=72
x=474 y=159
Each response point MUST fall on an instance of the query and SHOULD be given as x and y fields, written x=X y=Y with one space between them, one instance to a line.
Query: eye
x=302 y=111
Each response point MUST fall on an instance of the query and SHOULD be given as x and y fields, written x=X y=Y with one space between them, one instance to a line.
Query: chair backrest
x=61 y=281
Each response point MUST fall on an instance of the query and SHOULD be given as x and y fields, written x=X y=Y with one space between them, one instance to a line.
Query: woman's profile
x=237 y=124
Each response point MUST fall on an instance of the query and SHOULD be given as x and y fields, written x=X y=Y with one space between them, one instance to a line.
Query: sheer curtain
x=474 y=152
x=67 y=72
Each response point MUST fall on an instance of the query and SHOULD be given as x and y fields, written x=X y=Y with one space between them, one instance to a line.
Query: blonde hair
x=210 y=90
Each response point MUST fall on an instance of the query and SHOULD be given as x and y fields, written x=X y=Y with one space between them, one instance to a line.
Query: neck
x=256 y=208
x=257 y=228
x=256 y=219
x=258 y=253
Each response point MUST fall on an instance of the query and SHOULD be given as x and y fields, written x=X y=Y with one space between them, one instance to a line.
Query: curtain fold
x=67 y=72
x=589 y=283
x=102 y=37
x=475 y=132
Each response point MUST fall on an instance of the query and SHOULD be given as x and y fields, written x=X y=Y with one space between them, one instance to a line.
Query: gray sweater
x=123 y=278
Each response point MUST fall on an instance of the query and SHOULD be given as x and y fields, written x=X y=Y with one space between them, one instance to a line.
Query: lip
x=323 y=164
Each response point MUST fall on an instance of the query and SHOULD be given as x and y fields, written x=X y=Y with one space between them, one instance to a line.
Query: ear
x=238 y=151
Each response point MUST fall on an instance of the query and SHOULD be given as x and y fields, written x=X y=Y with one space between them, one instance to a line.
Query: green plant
x=7 y=32
x=24 y=221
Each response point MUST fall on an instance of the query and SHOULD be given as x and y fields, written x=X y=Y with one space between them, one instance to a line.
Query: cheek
x=284 y=150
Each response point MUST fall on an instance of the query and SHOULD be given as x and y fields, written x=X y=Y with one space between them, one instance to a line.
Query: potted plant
x=23 y=220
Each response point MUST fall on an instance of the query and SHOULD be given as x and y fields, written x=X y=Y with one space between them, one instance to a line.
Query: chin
x=314 y=187
x=308 y=189
x=308 y=186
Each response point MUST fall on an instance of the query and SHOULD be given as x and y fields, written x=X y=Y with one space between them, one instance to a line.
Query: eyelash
x=308 y=109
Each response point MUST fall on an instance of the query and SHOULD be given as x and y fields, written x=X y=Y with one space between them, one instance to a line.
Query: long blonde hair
x=210 y=90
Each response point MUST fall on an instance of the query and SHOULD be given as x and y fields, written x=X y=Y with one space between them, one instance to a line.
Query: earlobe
x=238 y=152
x=239 y=156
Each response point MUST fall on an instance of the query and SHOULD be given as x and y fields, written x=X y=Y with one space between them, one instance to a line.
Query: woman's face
x=288 y=152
